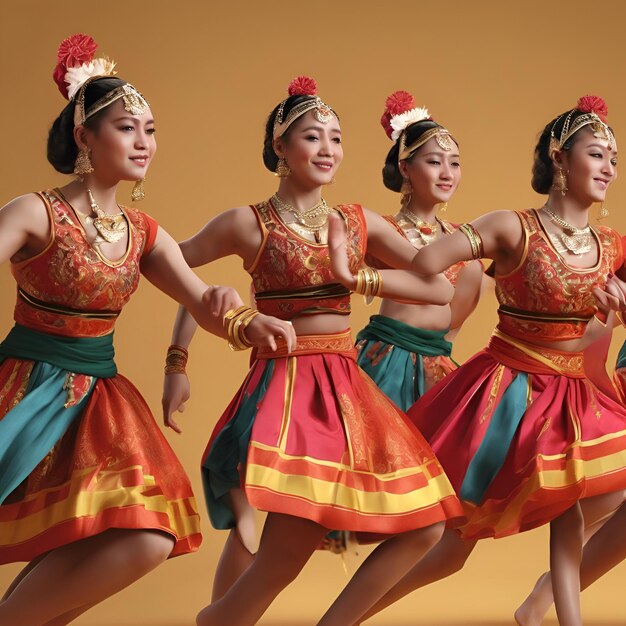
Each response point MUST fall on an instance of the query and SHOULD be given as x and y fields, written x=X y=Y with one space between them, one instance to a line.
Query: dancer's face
x=434 y=173
x=122 y=145
x=313 y=150
x=590 y=165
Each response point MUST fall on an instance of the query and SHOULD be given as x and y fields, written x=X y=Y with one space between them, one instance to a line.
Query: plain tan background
x=494 y=72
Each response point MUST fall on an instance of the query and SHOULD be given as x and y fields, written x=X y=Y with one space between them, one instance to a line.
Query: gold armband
x=475 y=240
x=369 y=282
x=176 y=360
x=236 y=321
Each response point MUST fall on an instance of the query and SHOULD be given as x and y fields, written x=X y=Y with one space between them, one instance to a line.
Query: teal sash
x=418 y=340
x=229 y=452
x=92 y=356
x=391 y=355
x=36 y=423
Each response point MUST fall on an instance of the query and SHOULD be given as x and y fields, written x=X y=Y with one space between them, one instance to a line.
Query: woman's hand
x=613 y=296
x=220 y=299
x=264 y=331
x=338 y=252
x=176 y=391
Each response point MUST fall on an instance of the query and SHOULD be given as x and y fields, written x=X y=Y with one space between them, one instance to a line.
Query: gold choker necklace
x=312 y=220
x=426 y=231
x=574 y=240
x=111 y=228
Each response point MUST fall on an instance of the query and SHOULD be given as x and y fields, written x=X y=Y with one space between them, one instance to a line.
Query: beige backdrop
x=493 y=72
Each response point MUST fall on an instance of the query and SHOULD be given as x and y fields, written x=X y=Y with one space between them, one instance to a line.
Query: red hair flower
x=593 y=104
x=76 y=50
x=302 y=86
x=399 y=102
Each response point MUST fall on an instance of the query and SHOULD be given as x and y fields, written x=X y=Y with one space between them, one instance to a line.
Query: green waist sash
x=92 y=356
x=418 y=340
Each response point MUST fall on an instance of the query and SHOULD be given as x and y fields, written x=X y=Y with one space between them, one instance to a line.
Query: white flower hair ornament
x=401 y=121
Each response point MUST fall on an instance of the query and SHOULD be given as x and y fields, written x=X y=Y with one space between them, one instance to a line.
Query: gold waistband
x=569 y=364
x=338 y=343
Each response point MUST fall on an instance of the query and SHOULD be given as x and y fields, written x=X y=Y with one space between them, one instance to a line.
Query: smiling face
x=121 y=145
x=313 y=150
x=590 y=166
x=434 y=173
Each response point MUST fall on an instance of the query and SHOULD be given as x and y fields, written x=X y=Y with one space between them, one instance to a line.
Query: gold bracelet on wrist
x=475 y=240
x=176 y=360
x=235 y=322
x=369 y=282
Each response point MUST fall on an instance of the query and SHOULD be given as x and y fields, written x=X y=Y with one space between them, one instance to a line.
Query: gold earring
x=406 y=190
x=603 y=213
x=560 y=184
x=332 y=181
x=444 y=207
x=83 y=165
x=138 y=192
x=282 y=169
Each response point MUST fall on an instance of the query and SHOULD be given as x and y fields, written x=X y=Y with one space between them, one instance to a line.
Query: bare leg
x=70 y=579
x=385 y=567
x=18 y=579
x=240 y=547
x=445 y=559
x=566 y=544
x=596 y=511
x=286 y=545
x=234 y=561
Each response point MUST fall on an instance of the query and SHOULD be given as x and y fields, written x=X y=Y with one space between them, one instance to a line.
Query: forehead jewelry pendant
x=322 y=112
x=445 y=141
x=134 y=102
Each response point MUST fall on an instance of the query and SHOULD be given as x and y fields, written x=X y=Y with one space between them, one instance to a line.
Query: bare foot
x=533 y=609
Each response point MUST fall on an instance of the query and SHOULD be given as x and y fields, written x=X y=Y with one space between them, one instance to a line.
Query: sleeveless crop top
x=291 y=275
x=543 y=297
x=69 y=288
x=452 y=273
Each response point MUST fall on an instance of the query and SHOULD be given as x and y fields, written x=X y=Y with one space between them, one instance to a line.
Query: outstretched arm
x=399 y=284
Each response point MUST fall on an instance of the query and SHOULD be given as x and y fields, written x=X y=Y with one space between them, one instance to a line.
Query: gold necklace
x=575 y=240
x=426 y=231
x=312 y=220
x=111 y=228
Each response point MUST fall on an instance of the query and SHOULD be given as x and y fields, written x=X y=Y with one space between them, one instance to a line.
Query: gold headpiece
x=134 y=102
x=600 y=130
x=442 y=136
x=323 y=113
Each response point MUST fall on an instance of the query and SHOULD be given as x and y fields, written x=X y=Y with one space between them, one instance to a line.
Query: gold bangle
x=620 y=317
x=235 y=322
x=368 y=282
x=475 y=240
x=176 y=360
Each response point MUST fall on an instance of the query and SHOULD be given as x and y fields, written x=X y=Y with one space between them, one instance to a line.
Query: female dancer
x=92 y=495
x=309 y=438
x=406 y=347
x=521 y=432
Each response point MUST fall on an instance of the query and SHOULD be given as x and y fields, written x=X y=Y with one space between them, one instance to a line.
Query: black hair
x=543 y=170
x=392 y=177
x=270 y=159
x=62 y=149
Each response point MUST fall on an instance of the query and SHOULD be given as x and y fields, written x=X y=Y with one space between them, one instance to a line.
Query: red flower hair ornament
x=593 y=104
x=400 y=112
x=76 y=64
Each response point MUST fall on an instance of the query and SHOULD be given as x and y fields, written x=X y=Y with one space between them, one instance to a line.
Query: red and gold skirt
x=113 y=468
x=310 y=435
x=522 y=435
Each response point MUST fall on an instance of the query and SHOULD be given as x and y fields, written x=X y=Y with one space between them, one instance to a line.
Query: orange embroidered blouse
x=69 y=288
x=543 y=297
x=291 y=275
